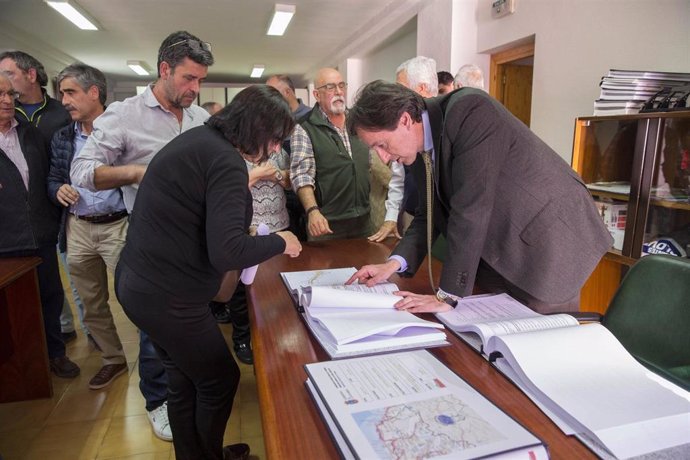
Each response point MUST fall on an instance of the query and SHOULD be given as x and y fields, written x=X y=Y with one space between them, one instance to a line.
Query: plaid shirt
x=302 y=164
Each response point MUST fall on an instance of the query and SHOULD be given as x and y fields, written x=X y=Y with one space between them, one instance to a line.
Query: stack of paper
x=626 y=91
x=580 y=376
x=352 y=320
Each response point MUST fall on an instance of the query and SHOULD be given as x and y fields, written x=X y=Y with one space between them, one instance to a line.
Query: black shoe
x=244 y=352
x=68 y=336
x=236 y=452
x=220 y=312
x=64 y=367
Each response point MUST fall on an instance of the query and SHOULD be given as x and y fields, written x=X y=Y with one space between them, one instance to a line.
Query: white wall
x=434 y=26
x=464 y=39
x=381 y=63
x=577 y=42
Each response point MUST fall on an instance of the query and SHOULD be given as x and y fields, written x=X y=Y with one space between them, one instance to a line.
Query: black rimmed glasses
x=196 y=45
x=330 y=87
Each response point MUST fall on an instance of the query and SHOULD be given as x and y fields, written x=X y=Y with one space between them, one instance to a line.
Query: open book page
x=585 y=376
x=354 y=324
x=476 y=318
x=350 y=296
x=373 y=399
x=407 y=339
x=326 y=277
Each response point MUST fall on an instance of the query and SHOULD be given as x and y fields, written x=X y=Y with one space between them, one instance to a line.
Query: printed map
x=425 y=429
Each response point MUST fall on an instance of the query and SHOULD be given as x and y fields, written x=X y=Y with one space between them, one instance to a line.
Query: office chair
x=650 y=316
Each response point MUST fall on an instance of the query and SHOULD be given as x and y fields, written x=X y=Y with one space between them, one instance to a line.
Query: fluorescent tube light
x=139 y=67
x=282 y=15
x=257 y=71
x=71 y=11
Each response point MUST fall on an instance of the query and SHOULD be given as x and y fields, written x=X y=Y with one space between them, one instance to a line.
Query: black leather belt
x=104 y=218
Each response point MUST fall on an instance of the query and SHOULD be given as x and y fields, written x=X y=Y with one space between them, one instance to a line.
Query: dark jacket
x=28 y=220
x=62 y=153
x=50 y=117
x=505 y=197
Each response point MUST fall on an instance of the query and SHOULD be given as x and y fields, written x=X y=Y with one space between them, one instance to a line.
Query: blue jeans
x=153 y=381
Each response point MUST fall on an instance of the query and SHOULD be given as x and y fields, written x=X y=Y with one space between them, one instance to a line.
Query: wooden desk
x=292 y=426
x=24 y=372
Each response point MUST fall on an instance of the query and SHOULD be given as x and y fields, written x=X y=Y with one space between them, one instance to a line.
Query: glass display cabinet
x=637 y=168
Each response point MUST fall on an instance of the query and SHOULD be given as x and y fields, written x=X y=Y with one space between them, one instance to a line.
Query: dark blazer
x=505 y=197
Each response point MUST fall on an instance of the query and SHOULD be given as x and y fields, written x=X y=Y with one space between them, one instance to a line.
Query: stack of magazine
x=627 y=91
x=352 y=320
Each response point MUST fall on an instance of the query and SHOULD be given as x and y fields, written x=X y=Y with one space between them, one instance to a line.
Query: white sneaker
x=160 y=423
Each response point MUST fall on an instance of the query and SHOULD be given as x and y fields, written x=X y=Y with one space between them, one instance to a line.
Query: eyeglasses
x=196 y=45
x=12 y=94
x=330 y=87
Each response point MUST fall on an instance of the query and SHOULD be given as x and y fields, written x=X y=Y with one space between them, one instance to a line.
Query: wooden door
x=517 y=90
x=510 y=81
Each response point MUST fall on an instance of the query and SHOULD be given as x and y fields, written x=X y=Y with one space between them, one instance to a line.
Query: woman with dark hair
x=187 y=239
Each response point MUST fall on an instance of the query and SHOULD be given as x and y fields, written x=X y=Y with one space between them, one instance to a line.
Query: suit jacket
x=504 y=196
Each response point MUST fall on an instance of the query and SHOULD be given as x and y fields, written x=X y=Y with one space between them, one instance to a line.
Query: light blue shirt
x=93 y=203
x=131 y=132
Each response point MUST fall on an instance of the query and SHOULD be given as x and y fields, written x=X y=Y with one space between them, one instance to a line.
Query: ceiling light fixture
x=139 y=67
x=257 y=71
x=72 y=11
x=281 y=18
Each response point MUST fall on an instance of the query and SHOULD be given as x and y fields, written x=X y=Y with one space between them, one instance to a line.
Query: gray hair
x=470 y=75
x=86 y=77
x=26 y=62
x=420 y=70
x=180 y=45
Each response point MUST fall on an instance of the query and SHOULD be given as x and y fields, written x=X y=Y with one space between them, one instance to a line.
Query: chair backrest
x=650 y=315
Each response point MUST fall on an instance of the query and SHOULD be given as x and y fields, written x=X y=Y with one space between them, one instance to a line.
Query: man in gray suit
x=517 y=218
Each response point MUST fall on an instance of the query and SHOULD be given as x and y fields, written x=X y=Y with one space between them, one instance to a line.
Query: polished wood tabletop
x=292 y=426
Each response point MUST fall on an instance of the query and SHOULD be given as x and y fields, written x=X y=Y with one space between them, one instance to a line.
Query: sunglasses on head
x=194 y=44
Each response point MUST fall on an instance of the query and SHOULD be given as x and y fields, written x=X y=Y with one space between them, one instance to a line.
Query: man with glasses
x=33 y=105
x=29 y=78
x=329 y=168
x=28 y=220
x=125 y=138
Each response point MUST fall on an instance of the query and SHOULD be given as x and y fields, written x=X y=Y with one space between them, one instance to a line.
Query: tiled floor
x=111 y=423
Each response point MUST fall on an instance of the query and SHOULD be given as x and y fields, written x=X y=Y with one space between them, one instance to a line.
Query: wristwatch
x=445 y=297
x=279 y=175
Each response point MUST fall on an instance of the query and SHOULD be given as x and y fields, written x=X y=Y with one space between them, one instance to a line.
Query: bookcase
x=637 y=168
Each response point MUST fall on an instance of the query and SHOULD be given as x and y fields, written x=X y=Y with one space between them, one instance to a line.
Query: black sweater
x=190 y=219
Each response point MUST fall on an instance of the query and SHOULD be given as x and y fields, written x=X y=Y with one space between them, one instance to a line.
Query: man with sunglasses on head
x=329 y=168
x=124 y=140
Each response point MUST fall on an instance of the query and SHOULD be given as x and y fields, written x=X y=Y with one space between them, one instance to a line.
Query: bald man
x=329 y=167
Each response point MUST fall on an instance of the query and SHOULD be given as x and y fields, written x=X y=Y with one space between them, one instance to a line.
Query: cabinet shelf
x=665 y=203
x=639 y=165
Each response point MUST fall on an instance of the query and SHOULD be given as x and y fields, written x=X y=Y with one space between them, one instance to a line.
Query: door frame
x=499 y=59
